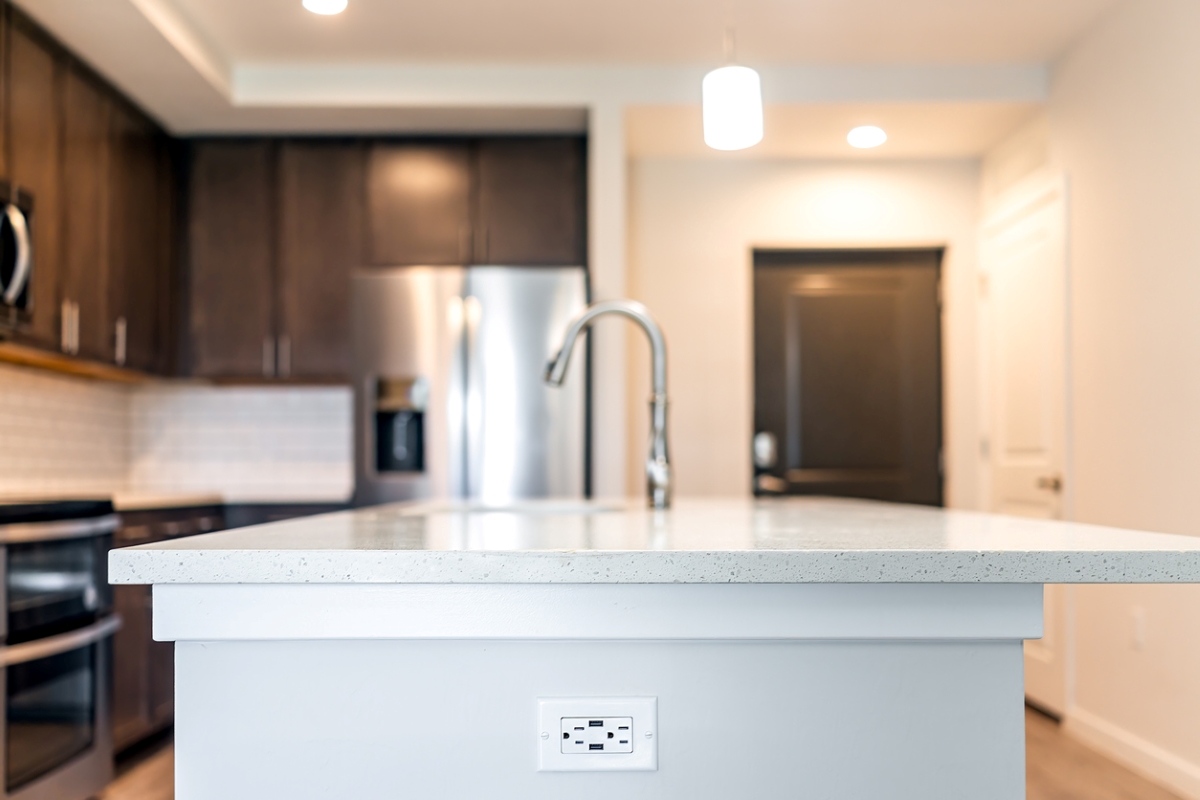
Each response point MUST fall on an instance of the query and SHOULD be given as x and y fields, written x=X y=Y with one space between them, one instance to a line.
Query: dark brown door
x=34 y=153
x=85 y=222
x=847 y=360
x=322 y=227
x=420 y=203
x=131 y=666
x=531 y=202
x=135 y=268
x=231 y=247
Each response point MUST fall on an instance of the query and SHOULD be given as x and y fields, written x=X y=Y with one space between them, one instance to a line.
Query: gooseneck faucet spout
x=658 y=464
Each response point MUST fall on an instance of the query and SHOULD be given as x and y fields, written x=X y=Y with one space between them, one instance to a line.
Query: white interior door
x=1024 y=286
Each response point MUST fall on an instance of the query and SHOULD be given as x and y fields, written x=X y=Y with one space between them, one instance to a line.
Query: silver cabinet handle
x=74 y=328
x=285 y=356
x=65 y=326
x=268 y=357
x=121 y=343
x=63 y=643
x=20 y=276
x=70 y=327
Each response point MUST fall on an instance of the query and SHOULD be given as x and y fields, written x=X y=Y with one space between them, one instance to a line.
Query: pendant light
x=733 y=114
x=325 y=8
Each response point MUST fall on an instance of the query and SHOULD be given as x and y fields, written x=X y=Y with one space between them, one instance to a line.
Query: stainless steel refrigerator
x=449 y=396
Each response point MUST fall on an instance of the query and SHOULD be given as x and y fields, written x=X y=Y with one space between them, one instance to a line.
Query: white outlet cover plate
x=643 y=710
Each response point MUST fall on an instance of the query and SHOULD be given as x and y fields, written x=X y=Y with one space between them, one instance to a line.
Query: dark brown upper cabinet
x=530 y=202
x=322 y=230
x=85 y=167
x=277 y=226
x=231 y=258
x=103 y=204
x=420 y=203
x=137 y=269
x=33 y=161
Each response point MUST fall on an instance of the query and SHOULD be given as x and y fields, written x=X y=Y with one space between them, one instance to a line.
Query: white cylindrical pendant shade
x=325 y=7
x=733 y=114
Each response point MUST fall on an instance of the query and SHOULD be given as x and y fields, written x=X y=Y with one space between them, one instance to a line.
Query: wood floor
x=1060 y=768
x=149 y=777
x=1057 y=768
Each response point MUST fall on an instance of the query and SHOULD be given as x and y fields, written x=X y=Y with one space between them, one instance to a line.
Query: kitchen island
x=788 y=648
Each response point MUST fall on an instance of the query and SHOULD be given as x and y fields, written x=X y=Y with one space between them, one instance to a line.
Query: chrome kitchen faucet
x=658 y=465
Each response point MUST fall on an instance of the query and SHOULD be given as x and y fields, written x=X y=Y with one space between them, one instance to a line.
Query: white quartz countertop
x=809 y=540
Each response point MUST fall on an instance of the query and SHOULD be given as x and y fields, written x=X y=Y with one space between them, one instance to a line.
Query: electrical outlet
x=595 y=734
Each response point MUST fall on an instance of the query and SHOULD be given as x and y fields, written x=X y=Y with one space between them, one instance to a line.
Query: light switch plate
x=643 y=711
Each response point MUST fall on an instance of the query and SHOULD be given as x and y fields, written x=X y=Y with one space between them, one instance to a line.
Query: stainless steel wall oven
x=56 y=657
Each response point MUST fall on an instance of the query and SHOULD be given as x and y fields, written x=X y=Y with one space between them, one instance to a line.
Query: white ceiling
x=644 y=31
x=915 y=130
x=514 y=65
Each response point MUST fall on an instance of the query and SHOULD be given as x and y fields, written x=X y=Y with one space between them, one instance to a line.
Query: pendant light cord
x=730 y=45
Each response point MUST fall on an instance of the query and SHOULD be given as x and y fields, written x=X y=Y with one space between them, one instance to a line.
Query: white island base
x=831 y=691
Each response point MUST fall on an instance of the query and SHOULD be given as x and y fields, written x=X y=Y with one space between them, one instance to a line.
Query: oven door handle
x=62 y=643
x=20 y=274
x=26 y=532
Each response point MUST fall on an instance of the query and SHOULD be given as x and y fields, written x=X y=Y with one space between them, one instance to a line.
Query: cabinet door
x=321 y=196
x=420 y=203
x=231 y=258
x=85 y=166
x=531 y=202
x=131 y=717
x=35 y=143
x=135 y=269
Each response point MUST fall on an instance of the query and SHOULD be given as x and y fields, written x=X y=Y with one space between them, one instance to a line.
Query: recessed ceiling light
x=325 y=7
x=866 y=136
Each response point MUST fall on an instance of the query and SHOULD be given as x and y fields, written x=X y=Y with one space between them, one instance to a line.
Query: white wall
x=693 y=226
x=1123 y=123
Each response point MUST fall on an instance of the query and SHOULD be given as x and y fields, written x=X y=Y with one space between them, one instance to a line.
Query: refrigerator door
x=524 y=438
x=409 y=383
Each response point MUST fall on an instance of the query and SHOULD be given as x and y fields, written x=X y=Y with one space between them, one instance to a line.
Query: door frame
x=1027 y=197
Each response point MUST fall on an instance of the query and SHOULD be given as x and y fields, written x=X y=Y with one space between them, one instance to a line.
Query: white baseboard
x=1161 y=766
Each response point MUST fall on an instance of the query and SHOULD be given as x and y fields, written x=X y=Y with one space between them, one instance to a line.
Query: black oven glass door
x=50 y=714
x=55 y=586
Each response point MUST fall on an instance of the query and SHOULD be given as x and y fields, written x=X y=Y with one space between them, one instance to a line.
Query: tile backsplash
x=278 y=443
x=62 y=435
x=65 y=435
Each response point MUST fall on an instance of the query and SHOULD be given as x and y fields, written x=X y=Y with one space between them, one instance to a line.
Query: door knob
x=765 y=451
x=1052 y=483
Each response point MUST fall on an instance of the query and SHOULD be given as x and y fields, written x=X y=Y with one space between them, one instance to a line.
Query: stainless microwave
x=16 y=254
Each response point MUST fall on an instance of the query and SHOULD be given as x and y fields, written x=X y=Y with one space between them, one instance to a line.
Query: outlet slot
x=598 y=736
